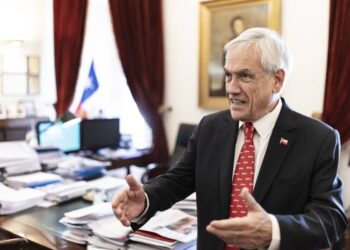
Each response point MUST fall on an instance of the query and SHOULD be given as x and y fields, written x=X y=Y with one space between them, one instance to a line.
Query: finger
x=233 y=224
x=118 y=199
x=124 y=220
x=133 y=183
x=250 y=201
x=225 y=235
x=122 y=214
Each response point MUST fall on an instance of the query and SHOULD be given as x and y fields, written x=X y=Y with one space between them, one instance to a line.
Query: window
x=113 y=98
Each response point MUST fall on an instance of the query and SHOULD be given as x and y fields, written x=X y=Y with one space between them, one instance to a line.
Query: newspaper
x=173 y=224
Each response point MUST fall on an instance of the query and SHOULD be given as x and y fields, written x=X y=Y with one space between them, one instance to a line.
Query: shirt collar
x=265 y=124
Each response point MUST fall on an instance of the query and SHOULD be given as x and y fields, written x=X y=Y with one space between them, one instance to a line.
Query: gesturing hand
x=249 y=232
x=130 y=202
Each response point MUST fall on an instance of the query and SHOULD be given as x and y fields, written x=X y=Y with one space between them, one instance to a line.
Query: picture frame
x=220 y=22
x=33 y=63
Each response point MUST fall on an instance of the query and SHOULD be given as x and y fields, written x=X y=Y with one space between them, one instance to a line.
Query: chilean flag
x=90 y=88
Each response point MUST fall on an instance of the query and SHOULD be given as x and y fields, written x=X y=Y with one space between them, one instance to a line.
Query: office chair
x=183 y=135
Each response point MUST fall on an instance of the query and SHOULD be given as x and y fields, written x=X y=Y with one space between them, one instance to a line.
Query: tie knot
x=248 y=129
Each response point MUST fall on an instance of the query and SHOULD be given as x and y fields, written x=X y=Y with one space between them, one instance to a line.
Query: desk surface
x=41 y=226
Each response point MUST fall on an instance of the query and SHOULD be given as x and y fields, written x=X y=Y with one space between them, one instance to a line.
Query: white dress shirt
x=263 y=130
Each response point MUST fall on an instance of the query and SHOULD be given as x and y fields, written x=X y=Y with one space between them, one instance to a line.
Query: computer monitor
x=65 y=136
x=99 y=133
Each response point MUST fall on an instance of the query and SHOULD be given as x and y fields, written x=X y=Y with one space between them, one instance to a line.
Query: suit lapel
x=228 y=138
x=276 y=152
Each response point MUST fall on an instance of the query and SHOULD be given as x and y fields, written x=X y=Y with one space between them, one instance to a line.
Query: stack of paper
x=108 y=233
x=81 y=168
x=33 y=180
x=107 y=183
x=17 y=157
x=12 y=201
x=65 y=191
x=170 y=229
x=103 y=189
x=187 y=205
x=77 y=221
x=50 y=157
x=96 y=243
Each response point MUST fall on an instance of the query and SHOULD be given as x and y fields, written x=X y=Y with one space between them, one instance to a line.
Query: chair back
x=183 y=135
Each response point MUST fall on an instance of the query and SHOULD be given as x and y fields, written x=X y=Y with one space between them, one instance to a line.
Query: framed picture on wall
x=220 y=22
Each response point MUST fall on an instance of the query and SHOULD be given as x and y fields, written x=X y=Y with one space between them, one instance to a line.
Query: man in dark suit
x=292 y=195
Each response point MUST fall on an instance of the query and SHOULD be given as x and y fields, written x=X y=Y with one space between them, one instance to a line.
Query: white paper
x=38 y=178
x=107 y=183
x=12 y=200
x=16 y=150
x=173 y=224
x=90 y=213
x=109 y=227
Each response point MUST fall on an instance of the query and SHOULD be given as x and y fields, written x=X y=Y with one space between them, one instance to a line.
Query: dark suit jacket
x=297 y=182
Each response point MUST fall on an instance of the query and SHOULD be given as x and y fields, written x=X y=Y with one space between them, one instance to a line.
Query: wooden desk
x=13 y=129
x=41 y=226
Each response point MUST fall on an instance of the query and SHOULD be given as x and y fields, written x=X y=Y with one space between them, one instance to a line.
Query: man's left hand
x=250 y=232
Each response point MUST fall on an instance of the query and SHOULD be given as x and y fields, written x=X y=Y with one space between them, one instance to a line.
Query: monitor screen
x=65 y=136
x=99 y=133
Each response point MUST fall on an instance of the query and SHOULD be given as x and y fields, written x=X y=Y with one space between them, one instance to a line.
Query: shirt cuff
x=142 y=217
x=276 y=234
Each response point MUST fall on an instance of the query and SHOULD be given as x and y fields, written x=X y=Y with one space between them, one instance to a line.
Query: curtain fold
x=69 y=27
x=138 y=30
x=336 y=110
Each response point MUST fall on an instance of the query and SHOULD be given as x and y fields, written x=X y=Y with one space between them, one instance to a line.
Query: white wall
x=305 y=29
x=31 y=22
x=21 y=20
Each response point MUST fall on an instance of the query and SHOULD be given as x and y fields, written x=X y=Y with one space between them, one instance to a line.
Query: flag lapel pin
x=284 y=141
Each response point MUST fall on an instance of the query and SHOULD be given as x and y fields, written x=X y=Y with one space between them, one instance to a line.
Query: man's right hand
x=129 y=203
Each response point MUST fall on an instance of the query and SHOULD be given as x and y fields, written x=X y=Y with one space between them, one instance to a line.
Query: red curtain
x=336 y=110
x=138 y=30
x=69 y=27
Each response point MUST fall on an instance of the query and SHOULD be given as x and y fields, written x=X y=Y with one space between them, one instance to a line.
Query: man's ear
x=279 y=80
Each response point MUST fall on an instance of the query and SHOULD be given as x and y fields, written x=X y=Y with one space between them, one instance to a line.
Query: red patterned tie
x=243 y=177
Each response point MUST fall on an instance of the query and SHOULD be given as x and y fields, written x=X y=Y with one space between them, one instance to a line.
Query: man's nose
x=233 y=86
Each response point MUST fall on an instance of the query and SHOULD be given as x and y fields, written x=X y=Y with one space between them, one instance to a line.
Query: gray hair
x=272 y=49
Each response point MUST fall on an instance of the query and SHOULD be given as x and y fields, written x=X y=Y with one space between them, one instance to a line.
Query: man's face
x=251 y=91
x=238 y=26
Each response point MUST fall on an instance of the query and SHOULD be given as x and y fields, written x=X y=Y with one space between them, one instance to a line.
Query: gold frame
x=264 y=13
